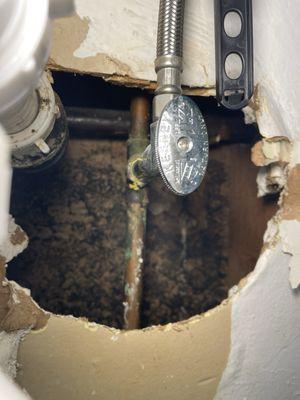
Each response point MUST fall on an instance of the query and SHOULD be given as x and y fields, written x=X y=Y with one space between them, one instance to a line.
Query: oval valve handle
x=181 y=145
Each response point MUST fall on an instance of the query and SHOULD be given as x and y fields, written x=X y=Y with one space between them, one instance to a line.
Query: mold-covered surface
x=187 y=250
x=76 y=222
x=75 y=218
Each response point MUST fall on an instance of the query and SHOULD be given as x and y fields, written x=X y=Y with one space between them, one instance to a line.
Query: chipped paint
x=125 y=53
x=290 y=200
x=272 y=150
x=9 y=344
x=134 y=54
x=11 y=248
x=18 y=312
x=271 y=179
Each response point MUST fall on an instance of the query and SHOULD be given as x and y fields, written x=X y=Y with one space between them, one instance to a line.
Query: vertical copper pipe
x=137 y=201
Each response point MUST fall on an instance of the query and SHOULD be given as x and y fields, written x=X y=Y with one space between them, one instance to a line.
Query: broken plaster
x=15 y=243
x=279 y=159
x=18 y=312
x=271 y=179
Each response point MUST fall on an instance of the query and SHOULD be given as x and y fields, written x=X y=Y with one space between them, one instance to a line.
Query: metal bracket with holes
x=234 y=52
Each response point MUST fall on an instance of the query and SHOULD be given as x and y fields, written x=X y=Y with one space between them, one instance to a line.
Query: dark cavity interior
x=197 y=247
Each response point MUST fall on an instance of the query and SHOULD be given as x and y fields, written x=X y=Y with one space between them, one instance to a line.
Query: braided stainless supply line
x=170 y=28
x=168 y=64
x=178 y=149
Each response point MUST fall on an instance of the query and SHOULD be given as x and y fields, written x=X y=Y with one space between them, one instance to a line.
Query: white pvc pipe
x=5 y=181
x=25 y=38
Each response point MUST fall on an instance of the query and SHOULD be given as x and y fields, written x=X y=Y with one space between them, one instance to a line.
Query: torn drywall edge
x=277 y=108
x=290 y=236
x=127 y=81
x=18 y=316
x=271 y=179
x=177 y=360
x=290 y=199
x=136 y=59
x=263 y=362
x=18 y=310
x=271 y=150
x=120 y=337
x=295 y=153
x=15 y=243
x=131 y=62
x=9 y=344
x=245 y=295
x=258 y=339
x=283 y=157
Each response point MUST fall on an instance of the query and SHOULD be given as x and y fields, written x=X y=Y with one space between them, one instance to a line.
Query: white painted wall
x=126 y=32
x=277 y=65
x=128 y=35
x=264 y=362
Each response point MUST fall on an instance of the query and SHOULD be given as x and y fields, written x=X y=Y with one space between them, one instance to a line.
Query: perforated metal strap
x=234 y=52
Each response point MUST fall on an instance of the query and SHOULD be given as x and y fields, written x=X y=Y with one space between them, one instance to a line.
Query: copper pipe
x=137 y=201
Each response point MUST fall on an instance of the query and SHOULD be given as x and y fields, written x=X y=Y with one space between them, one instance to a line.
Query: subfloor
x=197 y=247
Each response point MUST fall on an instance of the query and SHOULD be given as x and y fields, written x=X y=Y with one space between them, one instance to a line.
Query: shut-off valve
x=178 y=149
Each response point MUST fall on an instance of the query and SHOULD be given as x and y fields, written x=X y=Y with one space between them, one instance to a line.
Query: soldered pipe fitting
x=168 y=63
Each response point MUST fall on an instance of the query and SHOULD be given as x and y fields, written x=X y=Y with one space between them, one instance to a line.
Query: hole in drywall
x=232 y=24
x=233 y=66
x=197 y=247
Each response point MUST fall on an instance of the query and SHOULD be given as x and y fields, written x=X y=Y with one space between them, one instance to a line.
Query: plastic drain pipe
x=25 y=39
x=30 y=112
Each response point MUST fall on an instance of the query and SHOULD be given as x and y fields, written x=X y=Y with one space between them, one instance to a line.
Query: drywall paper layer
x=72 y=359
